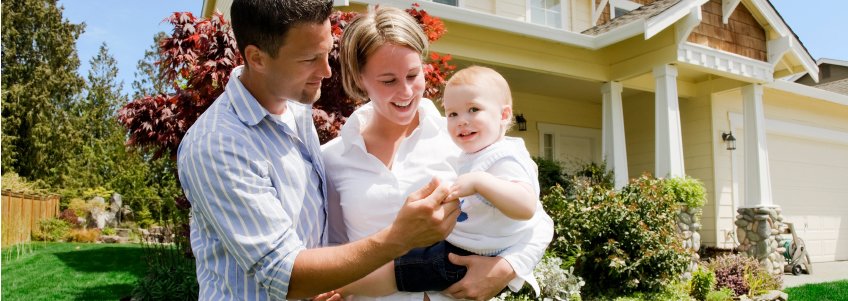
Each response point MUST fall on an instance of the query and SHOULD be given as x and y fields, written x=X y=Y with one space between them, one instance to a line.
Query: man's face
x=301 y=63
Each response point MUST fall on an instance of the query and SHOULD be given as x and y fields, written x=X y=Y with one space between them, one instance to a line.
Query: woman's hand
x=328 y=296
x=486 y=277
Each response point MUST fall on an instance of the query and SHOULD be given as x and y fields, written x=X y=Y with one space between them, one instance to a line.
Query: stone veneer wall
x=688 y=224
x=758 y=230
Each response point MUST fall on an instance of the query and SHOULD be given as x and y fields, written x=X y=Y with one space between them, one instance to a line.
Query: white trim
x=809 y=91
x=665 y=19
x=668 y=142
x=727 y=8
x=341 y=3
x=623 y=4
x=614 y=145
x=832 y=62
x=596 y=11
x=777 y=48
x=687 y=25
x=783 y=30
x=786 y=128
x=732 y=63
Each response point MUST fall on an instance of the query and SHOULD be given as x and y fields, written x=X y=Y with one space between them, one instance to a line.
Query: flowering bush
x=555 y=282
x=622 y=242
x=742 y=275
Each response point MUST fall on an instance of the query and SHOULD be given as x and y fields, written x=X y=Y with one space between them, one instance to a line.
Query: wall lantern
x=729 y=140
x=522 y=122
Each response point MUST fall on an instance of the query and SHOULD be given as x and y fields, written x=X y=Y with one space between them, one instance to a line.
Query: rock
x=761 y=251
x=774 y=295
x=696 y=240
x=741 y=222
x=696 y=226
x=110 y=239
x=115 y=204
x=685 y=218
x=761 y=217
x=740 y=234
x=682 y=227
x=753 y=237
x=123 y=232
x=763 y=229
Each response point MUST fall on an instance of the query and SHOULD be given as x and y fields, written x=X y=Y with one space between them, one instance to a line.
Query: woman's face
x=394 y=80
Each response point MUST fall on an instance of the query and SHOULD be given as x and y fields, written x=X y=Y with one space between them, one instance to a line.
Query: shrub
x=676 y=291
x=84 y=235
x=702 y=282
x=725 y=294
x=108 y=231
x=742 y=275
x=170 y=275
x=555 y=282
x=78 y=206
x=623 y=242
x=687 y=191
x=551 y=174
x=52 y=229
x=70 y=217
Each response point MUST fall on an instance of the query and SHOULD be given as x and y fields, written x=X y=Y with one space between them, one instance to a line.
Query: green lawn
x=828 y=291
x=72 y=271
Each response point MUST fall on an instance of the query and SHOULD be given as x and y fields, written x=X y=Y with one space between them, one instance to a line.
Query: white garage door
x=809 y=181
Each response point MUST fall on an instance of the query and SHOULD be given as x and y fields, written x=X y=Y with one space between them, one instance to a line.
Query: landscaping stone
x=688 y=224
x=774 y=295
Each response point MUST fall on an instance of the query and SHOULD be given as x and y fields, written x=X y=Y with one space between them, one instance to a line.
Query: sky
x=128 y=26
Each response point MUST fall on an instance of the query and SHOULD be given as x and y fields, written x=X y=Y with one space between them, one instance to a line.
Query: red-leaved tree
x=198 y=58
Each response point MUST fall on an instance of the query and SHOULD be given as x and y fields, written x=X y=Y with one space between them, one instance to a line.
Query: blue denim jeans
x=429 y=269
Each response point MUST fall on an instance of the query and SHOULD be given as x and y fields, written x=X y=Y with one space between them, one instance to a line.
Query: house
x=833 y=76
x=655 y=86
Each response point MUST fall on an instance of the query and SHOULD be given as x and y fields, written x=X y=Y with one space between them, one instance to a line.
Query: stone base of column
x=758 y=230
x=688 y=224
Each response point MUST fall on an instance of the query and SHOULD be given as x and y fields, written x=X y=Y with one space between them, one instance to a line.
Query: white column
x=614 y=146
x=668 y=154
x=757 y=179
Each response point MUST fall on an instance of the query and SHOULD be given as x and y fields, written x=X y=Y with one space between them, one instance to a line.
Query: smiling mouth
x=402 y=105
x=466 y=134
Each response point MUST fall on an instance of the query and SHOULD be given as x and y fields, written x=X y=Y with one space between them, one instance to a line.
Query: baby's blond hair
x=483 y=77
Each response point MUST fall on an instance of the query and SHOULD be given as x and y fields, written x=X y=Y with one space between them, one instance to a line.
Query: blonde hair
x=485 y=78
x=367 y=33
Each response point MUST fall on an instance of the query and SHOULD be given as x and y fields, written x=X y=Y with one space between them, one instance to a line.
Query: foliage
x=742 y=274
x=39 y=83
x=625 y=241
x=84 y=235
x=555 y=281
x=11 y=181
x=51 y=229
x=594 y=174
x=551 y=174
x=109 y=231
x=674 y=291
x=149 y=79
x=73 y=271
x=70 y=217
x=685 y=190
x=170 y=275
x=332 y=109
x=724 y=294
x=702 y=282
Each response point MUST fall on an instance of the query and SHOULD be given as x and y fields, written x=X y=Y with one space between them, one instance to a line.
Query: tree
x=148 y=74
x=39 y=83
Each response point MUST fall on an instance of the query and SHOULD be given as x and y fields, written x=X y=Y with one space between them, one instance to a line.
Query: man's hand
x=425 y=217
x=486 y=277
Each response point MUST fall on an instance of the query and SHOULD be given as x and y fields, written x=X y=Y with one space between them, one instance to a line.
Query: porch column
x=759 y=222
x=757 y=179
x=614 y=146
x=668 y=154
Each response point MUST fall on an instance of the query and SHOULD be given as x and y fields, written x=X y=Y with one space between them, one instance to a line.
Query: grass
x=71 y=271
x=828 y=291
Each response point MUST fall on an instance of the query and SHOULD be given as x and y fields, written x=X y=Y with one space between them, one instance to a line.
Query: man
x=252 y=170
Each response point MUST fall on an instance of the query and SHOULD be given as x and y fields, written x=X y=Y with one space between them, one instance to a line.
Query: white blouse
x=364 y=196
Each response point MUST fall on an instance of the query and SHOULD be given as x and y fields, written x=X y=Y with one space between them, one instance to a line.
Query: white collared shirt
x=364 y=196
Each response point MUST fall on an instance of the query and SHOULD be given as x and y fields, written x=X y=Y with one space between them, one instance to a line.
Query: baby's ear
x=506 y=113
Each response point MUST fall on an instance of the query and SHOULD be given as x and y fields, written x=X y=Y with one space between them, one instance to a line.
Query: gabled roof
x=838 y=86
x=642 y=13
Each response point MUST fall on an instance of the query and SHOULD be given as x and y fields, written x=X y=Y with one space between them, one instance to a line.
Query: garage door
x=809 y=181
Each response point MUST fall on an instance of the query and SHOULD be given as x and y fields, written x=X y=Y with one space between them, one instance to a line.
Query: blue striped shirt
x=257 y=192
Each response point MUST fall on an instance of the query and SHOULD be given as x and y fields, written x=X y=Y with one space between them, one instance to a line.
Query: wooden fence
x=21 y=214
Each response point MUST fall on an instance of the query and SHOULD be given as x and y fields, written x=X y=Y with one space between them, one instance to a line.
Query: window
x=546 y=12
x=448 y=2
x=621 y=7
x=548 y=146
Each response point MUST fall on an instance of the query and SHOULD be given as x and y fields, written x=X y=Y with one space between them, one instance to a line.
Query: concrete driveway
x=822 y=272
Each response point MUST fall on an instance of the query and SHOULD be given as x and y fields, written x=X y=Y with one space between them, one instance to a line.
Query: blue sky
x=128 y=26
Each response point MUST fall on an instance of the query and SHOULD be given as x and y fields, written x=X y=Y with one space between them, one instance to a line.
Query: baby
x=497 y=186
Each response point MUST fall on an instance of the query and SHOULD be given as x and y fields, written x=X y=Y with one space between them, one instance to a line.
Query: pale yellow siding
x=540 y=108
x=511 y=9
x=581 y=15
x=696 y=127
x=484 y=6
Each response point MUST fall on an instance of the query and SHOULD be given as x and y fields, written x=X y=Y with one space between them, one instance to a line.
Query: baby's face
x=476 y=117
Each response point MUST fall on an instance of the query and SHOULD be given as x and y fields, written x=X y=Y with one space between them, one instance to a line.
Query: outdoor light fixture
x=729 y=140
x=522 y=123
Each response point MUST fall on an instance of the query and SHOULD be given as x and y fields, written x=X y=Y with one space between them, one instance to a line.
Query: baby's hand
x=465 y=185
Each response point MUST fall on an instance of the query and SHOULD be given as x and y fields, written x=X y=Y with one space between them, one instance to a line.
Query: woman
x=395 y=144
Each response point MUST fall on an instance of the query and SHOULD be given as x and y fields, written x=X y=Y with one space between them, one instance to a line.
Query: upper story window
x=621 y=7
x=448 y=2
x=546 y=12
